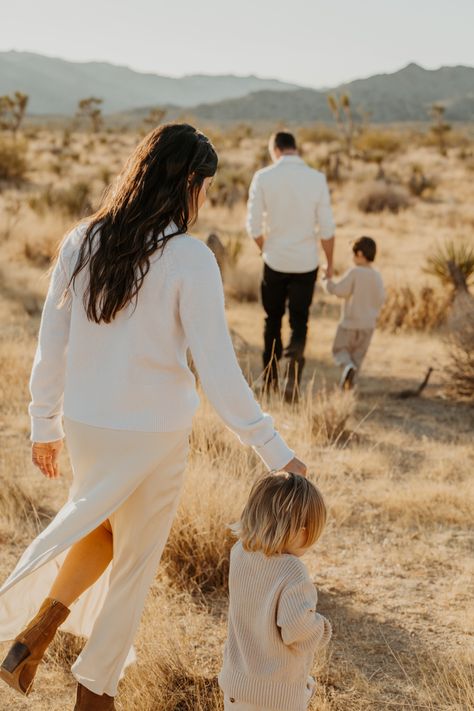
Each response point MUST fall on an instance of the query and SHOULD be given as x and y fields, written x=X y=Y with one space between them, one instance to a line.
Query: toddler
x=362 y=289
x=273 y=627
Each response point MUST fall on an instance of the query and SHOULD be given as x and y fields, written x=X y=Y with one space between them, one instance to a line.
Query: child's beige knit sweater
x=274 y=630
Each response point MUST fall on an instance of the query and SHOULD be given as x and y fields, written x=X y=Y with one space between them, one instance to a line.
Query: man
x=288 y=209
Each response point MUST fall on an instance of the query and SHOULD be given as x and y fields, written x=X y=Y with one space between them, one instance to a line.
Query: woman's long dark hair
x=159 y=185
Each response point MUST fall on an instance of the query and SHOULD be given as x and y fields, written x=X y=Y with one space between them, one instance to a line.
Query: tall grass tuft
x=419 y=309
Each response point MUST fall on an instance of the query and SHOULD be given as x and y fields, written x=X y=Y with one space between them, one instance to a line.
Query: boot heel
x=13 y=666
x=17 y=654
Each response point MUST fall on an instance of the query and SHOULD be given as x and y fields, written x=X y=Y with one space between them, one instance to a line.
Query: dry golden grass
x=394 y=567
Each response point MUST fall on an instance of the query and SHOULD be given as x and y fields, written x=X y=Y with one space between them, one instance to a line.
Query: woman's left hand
x=45 y=456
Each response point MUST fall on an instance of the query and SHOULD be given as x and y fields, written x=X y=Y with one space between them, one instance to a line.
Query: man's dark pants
x=276 y=289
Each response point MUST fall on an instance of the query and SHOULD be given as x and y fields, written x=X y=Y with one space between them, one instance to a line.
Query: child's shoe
x=347 y=377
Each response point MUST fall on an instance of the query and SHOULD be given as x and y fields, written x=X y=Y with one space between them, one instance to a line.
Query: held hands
x=45 y=456
x=328 y=272
x=295 y=466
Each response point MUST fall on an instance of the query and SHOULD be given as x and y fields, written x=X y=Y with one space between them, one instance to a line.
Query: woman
x=130 y=291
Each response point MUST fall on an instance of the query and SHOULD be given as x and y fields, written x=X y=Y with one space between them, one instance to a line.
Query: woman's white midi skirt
x=134 y=479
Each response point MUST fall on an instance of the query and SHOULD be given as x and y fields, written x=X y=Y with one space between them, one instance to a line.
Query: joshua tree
x=440 y=128
x=12 y=110
x=341 y=109
x=154 y=118
x=90 y=109
x=453 y=264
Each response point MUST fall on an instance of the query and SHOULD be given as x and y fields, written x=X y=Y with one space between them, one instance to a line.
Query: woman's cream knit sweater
x=133 y=373
x=273 y=631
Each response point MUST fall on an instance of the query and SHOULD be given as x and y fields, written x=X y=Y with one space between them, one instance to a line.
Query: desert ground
x=394 y=567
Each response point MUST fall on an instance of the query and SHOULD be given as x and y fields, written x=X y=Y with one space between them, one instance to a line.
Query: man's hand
x=259 y=242
x=328 y=247
x=45 y=456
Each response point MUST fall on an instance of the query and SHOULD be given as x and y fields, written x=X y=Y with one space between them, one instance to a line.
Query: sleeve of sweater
x=342 y=288
x=202 y=313
x=297 y=618
x=49 y=365
x=381 y=292
x=255 y=208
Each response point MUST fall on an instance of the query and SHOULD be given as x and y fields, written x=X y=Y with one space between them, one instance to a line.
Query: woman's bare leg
x=84 y=564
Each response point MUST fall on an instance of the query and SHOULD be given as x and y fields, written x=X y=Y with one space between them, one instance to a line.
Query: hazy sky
x=311 y=42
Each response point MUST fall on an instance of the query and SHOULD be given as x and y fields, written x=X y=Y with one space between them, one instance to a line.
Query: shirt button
x=232 y=700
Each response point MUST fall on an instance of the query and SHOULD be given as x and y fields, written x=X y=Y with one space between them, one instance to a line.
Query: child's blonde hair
x=279 y=506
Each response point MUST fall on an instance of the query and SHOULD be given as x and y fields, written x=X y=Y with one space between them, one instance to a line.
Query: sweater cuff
x=275 y=453
x=46 y=429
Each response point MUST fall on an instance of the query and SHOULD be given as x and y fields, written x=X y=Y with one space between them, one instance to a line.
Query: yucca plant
x=452 y=263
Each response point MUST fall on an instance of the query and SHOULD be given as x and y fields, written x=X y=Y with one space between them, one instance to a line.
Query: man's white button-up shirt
x=289 y=204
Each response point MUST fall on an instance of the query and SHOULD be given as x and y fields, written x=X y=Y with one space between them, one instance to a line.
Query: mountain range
x=405 y=95
x=56 y=85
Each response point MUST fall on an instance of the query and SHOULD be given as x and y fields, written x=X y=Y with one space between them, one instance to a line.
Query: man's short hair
x=367 y=246
x=283 y=140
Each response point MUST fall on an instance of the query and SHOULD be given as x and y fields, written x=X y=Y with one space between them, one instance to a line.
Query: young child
x=273 y=627
x=362 y=289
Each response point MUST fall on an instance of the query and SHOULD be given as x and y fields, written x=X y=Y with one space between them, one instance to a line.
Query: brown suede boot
x=86 y=700
x=19 y=667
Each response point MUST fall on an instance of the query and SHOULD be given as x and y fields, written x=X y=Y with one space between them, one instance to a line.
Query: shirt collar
x=290 y=158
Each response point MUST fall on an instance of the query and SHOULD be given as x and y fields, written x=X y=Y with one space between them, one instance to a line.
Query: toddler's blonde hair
x=279 y=506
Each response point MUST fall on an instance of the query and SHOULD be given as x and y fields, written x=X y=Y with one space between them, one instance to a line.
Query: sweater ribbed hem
x=353 y=324
x=275 y=453
x=46 y=429
x=278 y=696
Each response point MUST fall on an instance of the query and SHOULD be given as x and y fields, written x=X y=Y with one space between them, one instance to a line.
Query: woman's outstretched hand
x=45 y=456
x=296 y=466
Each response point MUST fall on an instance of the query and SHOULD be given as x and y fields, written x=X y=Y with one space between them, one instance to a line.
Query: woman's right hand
x=295 y=466
x=45 y=456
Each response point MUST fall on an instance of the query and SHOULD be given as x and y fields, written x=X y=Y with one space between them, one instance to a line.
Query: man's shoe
x=347 y=377
x=19 y=667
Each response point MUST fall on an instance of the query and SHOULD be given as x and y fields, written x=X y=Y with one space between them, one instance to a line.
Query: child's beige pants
x=351 y=345
x=134 y=479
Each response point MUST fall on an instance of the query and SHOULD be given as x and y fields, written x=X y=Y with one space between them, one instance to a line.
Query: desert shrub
x=460 y=369
x=236 y=134
x=382 y=197
x=452 y=263
x=73 y=201
x=230 y=185
x=376 y=141
x=422 y=309
x=243 y=285
x=196 y=557
x=13 y=163
x=419 y=183
x=177 y=672
x=317 y=133
x=329 y=412
x=182 y=687
x=40 y=240
x=16 y=505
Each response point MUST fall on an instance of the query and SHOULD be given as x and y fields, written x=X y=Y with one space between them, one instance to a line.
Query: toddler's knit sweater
x=273 y=630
